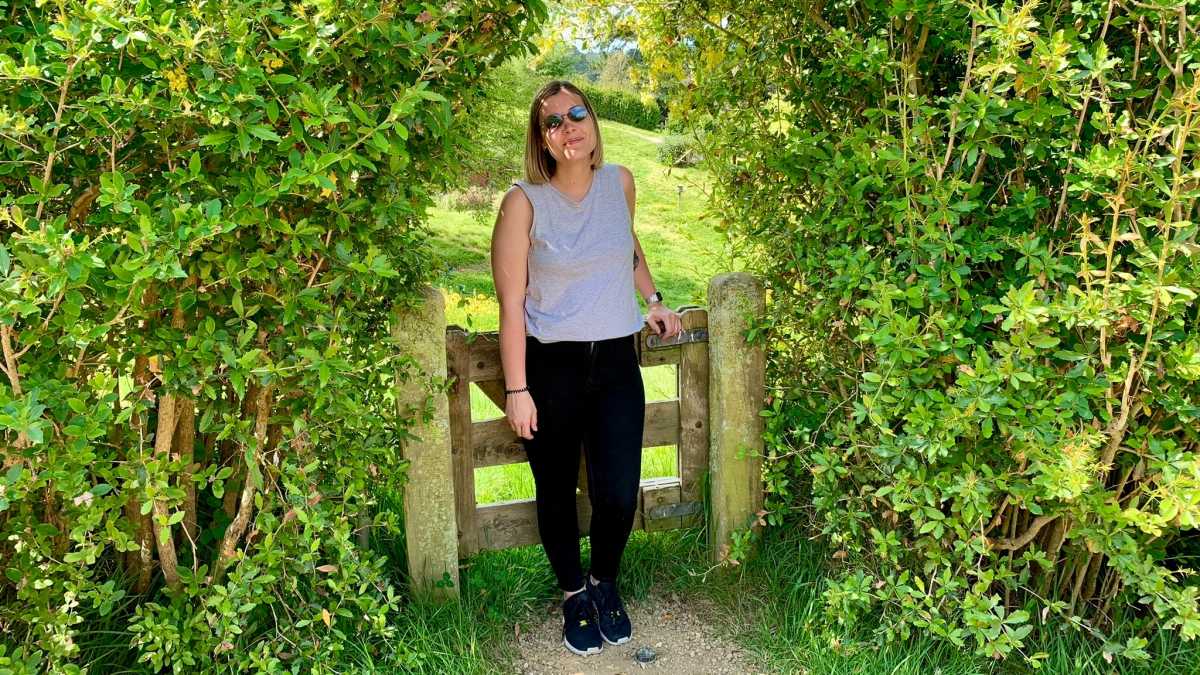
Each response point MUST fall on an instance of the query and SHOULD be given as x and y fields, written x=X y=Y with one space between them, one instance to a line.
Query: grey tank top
x=580 y=277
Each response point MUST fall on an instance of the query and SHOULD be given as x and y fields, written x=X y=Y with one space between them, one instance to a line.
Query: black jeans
x=589 y=393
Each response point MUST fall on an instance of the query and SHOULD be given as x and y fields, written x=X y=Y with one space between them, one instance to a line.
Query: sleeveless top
x=580 y=277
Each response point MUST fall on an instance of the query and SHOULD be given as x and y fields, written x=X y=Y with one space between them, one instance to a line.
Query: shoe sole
x=588 y=652
x=618 y=642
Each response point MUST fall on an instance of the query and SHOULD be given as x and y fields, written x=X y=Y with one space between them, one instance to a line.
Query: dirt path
x=678 y=630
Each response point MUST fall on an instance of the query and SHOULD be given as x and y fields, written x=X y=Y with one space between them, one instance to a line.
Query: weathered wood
x=692 y=451
x=494 y=390
x=714 y=422
x=736 y=395
x=495 y=443
x=659 y=357
x=458 y=366
x=514 y=523
x=659 y=492
x=485 y=357
x=429 y=506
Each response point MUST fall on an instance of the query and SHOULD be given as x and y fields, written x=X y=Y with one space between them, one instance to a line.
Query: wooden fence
x=713 y=422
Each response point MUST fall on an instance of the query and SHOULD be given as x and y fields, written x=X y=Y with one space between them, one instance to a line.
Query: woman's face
x=572 y=140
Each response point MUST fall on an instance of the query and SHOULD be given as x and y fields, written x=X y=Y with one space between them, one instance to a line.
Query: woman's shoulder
x=623 y=174
x=515 y=205
x=517 y=195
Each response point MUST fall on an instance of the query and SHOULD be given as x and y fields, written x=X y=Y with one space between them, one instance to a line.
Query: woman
x=566 y=261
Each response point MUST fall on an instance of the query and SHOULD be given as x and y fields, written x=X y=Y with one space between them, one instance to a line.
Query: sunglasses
x=554 y=120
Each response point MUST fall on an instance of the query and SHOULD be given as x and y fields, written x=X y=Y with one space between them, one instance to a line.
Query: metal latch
x=674 y=510
x=684 y=337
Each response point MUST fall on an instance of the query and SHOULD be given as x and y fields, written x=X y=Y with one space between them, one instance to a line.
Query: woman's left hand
x=664 y=322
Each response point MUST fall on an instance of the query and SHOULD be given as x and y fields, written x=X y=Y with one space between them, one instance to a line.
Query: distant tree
x=562 y=60
x=615 y=72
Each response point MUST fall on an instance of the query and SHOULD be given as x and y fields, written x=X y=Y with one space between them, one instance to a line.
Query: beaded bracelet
x=515 y=391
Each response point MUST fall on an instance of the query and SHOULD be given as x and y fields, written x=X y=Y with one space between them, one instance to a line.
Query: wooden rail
x=476 y=359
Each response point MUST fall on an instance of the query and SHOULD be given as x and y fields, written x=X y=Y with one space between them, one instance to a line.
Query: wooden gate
x=663 y=503
x=713 y=422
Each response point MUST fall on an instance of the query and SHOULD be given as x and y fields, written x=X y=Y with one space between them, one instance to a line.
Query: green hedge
x=977 y=224
x=625 y=107
x=209 y=212
x=679 y=150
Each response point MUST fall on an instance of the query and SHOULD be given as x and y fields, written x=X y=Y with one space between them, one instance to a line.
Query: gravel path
x=678 y=630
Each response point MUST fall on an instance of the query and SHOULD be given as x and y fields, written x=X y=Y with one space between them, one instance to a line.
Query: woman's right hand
x=521 y=414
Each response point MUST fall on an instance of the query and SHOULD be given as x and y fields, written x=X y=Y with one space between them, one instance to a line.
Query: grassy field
x=683 y=248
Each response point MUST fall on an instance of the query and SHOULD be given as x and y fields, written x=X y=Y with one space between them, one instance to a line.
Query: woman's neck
x=571 y=176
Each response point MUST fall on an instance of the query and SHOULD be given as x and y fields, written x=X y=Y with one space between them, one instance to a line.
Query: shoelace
x=608 y=602
x=581 y=612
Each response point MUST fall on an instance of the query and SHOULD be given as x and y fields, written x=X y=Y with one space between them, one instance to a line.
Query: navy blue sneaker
x=615 y=626
x=581 y=631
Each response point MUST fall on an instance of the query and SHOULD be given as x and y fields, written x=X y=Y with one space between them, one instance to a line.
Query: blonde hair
x=539 y=164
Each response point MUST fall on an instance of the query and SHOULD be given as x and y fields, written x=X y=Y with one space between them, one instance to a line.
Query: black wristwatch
x=656 y=296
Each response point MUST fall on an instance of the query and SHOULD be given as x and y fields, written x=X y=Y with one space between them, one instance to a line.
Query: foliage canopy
x=977 y=224
x=209 y=211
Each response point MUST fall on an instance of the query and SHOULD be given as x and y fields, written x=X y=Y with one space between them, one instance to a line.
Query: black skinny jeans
x=589 y=393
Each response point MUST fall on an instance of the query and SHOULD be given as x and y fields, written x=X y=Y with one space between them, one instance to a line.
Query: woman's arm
x=641 y=270
x=510 y=256
x=642 y=278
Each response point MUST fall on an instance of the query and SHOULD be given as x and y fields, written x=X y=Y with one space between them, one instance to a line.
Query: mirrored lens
x=554 y=120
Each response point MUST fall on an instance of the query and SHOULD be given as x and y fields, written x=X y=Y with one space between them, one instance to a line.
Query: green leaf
x=1044 y=341
x=264 y=132
x=216 y=139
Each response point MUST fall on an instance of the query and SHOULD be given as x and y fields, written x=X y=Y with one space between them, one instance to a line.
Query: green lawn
x=683 y=248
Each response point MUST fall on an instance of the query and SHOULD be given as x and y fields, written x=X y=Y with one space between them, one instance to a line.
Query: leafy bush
x=977 y=223
x=625 y=107
x=209 y=212
x=493 y=139
x=678 y=150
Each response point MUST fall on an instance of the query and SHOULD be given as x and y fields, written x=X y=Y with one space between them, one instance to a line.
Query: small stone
x=645 y=654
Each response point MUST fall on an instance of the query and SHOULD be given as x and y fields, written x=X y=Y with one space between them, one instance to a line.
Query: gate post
x=736 y=377
x=430 y=530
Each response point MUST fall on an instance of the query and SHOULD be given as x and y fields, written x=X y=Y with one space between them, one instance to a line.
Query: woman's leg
x=555 y=375
x=613 y=443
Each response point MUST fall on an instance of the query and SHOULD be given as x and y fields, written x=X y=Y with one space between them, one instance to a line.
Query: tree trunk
x=261 y=407
x=183 y=450
x=163 y=538
x=141 y=561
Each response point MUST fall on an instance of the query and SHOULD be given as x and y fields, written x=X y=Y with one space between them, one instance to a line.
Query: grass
x=771 y=605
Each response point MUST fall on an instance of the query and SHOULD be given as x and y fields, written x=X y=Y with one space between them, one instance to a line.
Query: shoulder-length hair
x=539 y=165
